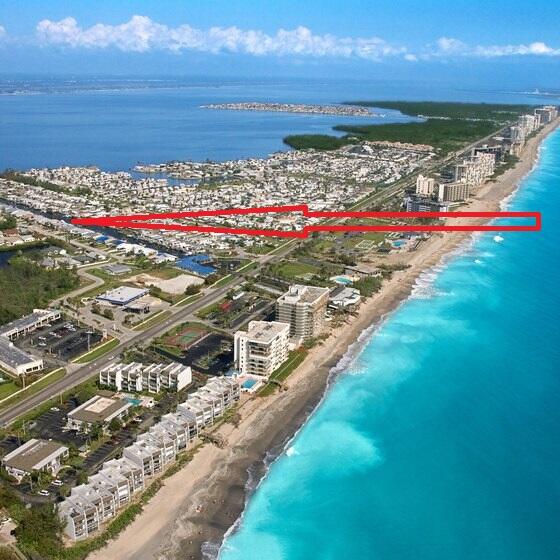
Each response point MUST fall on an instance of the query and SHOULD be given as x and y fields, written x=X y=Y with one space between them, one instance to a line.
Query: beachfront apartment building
x=304 y=308
x=475 y=169
x=546 y=114
x=453 y=192
x=529 y=123
x=152 y=378
x=417 y=203
x=36 y=455
x=425 y=186
x=90 y=505
x=261 y=349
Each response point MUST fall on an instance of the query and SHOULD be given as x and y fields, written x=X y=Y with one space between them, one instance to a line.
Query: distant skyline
x=512 y=44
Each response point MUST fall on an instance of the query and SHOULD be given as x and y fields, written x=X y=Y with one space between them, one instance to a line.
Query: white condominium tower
x=425 y=186
x=304 y=309
x=262 y=349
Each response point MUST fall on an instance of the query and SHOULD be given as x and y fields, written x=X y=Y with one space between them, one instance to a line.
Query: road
x=180 y=314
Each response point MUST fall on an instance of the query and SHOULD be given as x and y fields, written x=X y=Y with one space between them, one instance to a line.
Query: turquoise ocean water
x=440 y=439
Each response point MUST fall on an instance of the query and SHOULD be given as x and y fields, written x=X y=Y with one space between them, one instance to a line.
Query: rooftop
x=12 y=356
x=123 y=294
x=99 y=409
x=266 y=331
x=33 y=454
x=303 y=294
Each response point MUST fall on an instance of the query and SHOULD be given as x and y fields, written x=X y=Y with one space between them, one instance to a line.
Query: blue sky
x=498 y=42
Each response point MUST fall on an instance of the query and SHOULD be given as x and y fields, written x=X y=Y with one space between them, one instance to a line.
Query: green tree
x=40 y=532
x=192 y=289
x=115 y=425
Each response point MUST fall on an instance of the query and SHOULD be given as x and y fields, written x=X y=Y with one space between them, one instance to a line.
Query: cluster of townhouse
x=323 y=180
x=341 y=110
x=264 y=346
x=90 y=505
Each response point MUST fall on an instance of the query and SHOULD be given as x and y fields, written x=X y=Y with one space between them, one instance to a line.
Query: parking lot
x=50 y=425
x=217 y=345
x=60 y=342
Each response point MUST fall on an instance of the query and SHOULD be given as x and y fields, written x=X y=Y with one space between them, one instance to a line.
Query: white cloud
x=448 y=47
x=2 y=32
x=141 y=34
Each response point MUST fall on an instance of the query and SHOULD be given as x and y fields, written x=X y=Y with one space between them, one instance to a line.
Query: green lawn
x=35 y=387
x=6 y=389
x=293 y=269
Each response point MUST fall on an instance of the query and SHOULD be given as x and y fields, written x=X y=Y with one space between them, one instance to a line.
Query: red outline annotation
x=144 y=221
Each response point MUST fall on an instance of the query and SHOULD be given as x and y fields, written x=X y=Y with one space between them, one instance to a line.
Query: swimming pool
x=249 y=383
x=399 y=243
x=342 y=280
x=134 y=402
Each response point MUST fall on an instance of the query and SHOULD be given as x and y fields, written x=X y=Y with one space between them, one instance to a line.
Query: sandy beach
x=201 y=502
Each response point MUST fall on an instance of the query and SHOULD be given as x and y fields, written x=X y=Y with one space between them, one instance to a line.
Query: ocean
x=439 y=437
x=115 y=123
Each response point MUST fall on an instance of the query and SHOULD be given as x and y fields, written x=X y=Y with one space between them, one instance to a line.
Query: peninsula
x=339 y=110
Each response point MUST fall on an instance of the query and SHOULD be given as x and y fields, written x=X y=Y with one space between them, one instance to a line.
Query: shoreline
x=190 y=514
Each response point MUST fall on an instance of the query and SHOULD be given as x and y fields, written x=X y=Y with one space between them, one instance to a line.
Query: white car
x=44 y=493
x=57 y=482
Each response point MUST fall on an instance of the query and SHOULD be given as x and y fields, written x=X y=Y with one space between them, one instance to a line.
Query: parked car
x=57 y=482
x=44 y=493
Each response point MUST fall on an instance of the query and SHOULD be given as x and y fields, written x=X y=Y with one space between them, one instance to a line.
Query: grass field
x=6 y=389
x=293 y=269
x=35 y=387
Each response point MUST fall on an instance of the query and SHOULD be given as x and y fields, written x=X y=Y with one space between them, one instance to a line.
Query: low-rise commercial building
x=123 y=295
x=29 y=323
x=16 y=361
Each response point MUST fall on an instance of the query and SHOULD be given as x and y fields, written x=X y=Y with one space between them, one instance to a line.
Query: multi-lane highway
x=180 y=314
